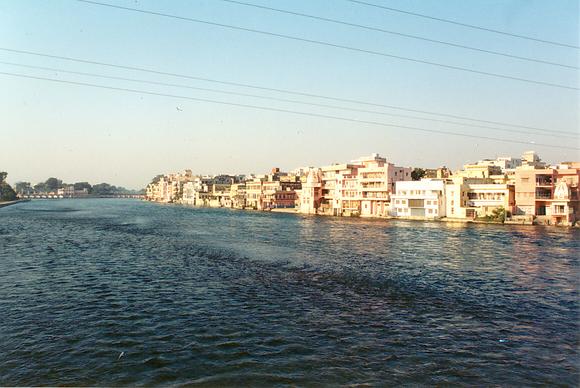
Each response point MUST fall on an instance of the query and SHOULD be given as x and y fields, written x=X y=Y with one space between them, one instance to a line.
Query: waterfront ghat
x=116 y=292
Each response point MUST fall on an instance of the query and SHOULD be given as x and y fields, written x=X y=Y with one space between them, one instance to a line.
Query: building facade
x=548 y=195
x=470 y=198
x=424 y=199
x=362 y=187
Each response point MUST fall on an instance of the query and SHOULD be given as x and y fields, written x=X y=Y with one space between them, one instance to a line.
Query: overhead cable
x=294 y=112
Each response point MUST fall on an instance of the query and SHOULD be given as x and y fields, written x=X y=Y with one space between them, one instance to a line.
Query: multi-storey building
x=549 y=195
x=477 y=197
x=168 y=188
x=238 y=195
x=68 y=191
x=376 y=181
x=361 y=187
x=254 y=193
x=338 y=191
x=209 y=191
x=272 y=191
x=419 y=199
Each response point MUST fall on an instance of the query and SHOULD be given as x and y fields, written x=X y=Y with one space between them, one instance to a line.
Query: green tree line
x=7 y=193
x=52 y=184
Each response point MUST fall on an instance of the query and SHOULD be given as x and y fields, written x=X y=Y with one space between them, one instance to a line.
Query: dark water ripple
x=216 y=297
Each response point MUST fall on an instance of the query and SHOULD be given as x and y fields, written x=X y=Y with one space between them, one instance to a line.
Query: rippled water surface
x=121 y=292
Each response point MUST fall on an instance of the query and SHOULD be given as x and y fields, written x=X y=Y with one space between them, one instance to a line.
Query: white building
x=310 y=195
x=419 y=199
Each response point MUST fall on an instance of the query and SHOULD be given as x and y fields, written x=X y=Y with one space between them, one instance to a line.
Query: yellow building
x=477 y=197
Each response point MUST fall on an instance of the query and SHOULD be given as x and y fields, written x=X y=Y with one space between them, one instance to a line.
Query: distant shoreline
x=8 y=203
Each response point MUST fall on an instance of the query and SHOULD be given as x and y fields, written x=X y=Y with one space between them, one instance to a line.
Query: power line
x=292 y=92
x=269 y=98
x=370 y=28
x=465 y=24
x=328 y=44
x=263 y=108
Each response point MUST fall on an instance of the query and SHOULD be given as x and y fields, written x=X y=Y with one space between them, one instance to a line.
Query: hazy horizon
x=81 y=133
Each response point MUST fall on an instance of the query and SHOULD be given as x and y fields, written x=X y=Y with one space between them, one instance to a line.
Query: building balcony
x=544 y=180
x=484 y=202
x=373 y=196
x=425 y=197
x=373 y=179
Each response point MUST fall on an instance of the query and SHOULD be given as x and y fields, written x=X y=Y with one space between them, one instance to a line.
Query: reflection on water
x=118 y=292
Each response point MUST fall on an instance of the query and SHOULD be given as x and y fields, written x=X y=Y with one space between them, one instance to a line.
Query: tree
x=7 y=193
x=53 y=184
x=23 y=187
x=157 y=178
x=417 y=174
x=499 y=214
x=40 y=187
x=83 y=185
x=104 y=189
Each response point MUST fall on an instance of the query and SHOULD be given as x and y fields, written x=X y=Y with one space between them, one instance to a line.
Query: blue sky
x=80 y=133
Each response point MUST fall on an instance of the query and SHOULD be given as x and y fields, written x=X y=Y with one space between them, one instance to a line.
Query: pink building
x=361 y=187
x=377 y=179
x=549 y=195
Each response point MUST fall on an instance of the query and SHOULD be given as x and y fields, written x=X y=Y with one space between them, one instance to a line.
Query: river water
x=122 y=292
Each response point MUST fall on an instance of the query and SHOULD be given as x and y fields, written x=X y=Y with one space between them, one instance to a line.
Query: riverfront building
x=362 y=187
x=376 y=179
x=475 y=197
x=549 y=195
x=419 y=199
x=518 y=189
x=273 y=191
